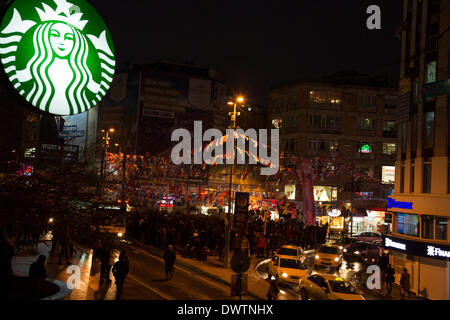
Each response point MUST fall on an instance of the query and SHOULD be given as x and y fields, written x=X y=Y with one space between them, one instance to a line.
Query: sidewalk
x=89 y=289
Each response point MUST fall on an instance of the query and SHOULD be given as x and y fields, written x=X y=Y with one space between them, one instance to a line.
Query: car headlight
x=317 y=256
x=336 y=259
x=341 y=247
x=345 y=250
x=356 y=252
x=284 y=275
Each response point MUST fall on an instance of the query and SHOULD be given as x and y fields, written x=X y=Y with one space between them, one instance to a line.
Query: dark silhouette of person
x=6 y=254
x=120 y=271
x=105 y=255
x=389 y=278
x=38 y=274
x=272 y=294
x=169 y=259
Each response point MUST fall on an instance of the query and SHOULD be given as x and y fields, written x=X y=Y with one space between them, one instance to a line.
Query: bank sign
x=57 y=54
x=417 y=248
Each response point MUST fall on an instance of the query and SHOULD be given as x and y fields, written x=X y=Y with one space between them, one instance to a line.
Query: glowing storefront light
x=57 y=54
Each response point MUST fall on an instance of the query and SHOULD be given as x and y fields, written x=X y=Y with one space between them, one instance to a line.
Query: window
x=367 y=100
x=292 y=122
x=367 y=124
x=317 y=121
x=333 y=146
x=313 y=144
x=324 y=97
x=411 y=185
x=428 y=132
x=402 y=179
x=448 y=178
x=427 y=226
x=441 y=228
x=408 y=224
x=404 y=127
x=292 y=98
x=427 y=176
x=291 y=145
x=389 y=127
x=388 y=148
x=431 y=72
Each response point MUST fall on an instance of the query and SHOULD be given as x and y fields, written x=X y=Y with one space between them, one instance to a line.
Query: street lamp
x=233 y=116
x=105 y=151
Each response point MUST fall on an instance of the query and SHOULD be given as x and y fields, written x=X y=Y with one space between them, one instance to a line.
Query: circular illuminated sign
x=58 y=54
x=334 y=213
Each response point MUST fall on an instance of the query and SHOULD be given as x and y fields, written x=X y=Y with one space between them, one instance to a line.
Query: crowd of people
x=199 y=235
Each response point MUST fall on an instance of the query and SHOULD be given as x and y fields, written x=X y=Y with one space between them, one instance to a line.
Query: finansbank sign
x=58 y=54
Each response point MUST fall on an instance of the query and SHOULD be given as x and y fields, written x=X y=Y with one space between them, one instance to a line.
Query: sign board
x=146 y=112
x=236 y=285
x=241 y=203
x=392 y=203
x=388 y=174
x=437 y=88
x=418 y=248
x=240 y=263
x=57 y=54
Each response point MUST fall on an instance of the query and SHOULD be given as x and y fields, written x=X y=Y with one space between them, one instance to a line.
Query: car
x=286 y=269
x=328 y=255
x=362 y=251
x=290 y=250
x=345 y=242
x=369 y=236
x=328 y=287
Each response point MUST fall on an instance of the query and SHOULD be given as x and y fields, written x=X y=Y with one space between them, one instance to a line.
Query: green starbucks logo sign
x=57 y=54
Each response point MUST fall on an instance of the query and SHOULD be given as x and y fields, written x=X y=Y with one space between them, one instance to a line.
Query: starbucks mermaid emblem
x=57 y=54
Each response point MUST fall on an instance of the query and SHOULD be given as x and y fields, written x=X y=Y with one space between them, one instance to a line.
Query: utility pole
x=233 y=115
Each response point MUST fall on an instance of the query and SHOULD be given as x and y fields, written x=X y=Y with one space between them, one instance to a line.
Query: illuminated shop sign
x=57 y=54
x=365 y=149
x=417 y=248
x=334 y=213
x=392 y=203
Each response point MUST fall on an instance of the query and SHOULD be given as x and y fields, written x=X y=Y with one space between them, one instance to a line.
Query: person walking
x=245 y=245
x=169 y=259
x=272 y=294
x=261 y=246
x=389 y=279
x=65 y=247
x=105 y=263
x=120 y=271
x=38 y=274
x=405 y=283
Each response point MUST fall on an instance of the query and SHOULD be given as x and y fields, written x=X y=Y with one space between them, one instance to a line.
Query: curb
x=158 y=253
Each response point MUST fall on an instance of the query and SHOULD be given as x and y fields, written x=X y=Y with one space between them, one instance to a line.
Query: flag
x=304 y=169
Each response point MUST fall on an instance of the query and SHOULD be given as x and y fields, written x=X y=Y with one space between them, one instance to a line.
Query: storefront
x=428 y=264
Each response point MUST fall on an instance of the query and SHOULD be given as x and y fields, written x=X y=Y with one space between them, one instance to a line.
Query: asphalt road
x=146 y=281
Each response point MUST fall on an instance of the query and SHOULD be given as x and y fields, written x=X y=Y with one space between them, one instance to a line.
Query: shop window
x=426 y=177
x=427 y=226
x=441 y=228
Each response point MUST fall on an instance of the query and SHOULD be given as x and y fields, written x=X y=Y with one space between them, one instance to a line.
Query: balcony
x=326 y=106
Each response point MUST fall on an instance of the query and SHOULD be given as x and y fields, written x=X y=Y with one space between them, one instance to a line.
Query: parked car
x=369 y=236
x=345 y=242
x=363 y=251
x=328 y=287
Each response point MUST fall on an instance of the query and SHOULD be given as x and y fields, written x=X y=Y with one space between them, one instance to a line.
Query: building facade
x=348 y=131
x=420 y=206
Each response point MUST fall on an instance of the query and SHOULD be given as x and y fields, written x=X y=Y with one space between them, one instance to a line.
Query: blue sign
x=436 y=89
x=392 y=203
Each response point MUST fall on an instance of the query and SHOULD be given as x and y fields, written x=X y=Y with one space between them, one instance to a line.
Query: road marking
x=167 y=297
x=162 y=260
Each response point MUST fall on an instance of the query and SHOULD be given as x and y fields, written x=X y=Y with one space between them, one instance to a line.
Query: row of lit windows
x=421 y=226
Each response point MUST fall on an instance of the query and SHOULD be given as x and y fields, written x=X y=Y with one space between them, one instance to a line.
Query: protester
x=405 y=283
x=120 y=271
x=106 y=256
x=169 y=259
x=261 y=246
x=38 y=274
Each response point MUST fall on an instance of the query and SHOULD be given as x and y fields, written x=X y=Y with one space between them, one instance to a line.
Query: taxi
x=286 y=269
x=328 y=287
x=328 y=255
x=290 y=250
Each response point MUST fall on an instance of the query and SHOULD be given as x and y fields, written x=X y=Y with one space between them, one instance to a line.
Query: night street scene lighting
x=180 y=152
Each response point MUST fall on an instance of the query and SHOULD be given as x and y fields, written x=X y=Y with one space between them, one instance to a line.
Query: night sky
x=257 y=44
